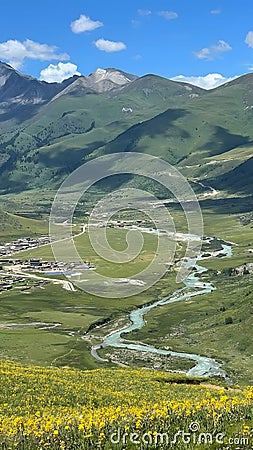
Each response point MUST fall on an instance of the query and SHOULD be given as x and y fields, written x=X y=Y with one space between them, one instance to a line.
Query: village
x=21 y=244
x=9 y=282
x=15 y=273
x=23 y=274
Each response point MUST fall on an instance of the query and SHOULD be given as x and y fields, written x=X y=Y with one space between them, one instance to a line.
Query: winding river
x=204 y=366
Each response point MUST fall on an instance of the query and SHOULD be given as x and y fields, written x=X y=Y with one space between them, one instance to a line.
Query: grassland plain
x=75 y=312
x=59 y=409
x=197 y=325
x=200 y=324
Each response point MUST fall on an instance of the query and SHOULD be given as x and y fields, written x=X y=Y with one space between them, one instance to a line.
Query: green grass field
x=197 y=325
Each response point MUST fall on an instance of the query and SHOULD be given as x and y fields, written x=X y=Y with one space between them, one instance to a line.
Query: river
x=193 y=287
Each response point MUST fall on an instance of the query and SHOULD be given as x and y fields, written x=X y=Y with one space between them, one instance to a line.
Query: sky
x=204 y=42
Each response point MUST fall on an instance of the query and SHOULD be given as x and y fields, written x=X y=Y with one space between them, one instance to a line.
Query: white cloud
x=209 y=81
x=213 y=51
x=14 y=52
x=84 y=23
x=168 y=15
x=135 y=23
x=57 y=73
x=144 y=12
x=215 y=11
x=249 y=39
x=109 y=46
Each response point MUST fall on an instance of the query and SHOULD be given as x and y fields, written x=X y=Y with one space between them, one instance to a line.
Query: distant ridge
x=49 y=129
x=22 y=94
x=102 y=80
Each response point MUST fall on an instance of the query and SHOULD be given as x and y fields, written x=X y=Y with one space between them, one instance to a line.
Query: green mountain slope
x=72 y=125
x=205 y=133
x=238 y=180
x=205 y=138
x=21 y=96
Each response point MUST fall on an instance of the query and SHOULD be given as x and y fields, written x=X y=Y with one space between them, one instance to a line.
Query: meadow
x=200 y=324
x=197 y=325
x=55 y=395
x=57 y=409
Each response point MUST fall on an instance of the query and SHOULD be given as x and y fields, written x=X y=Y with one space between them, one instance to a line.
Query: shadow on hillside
x=222 y=141
x=237 y=205
x=238 y=180
x=161 y=124
x=229 y=205
x=19 y=114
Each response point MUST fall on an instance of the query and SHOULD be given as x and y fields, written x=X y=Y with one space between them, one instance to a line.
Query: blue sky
x=52 y=39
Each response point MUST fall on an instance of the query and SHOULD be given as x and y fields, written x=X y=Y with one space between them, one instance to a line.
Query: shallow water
x=193 y=286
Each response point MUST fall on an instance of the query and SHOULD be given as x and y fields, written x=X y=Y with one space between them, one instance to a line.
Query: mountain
x=49 y=129
x=102 y=80
x=238 y=180
x=21 y=95
x=79 y=120
x=206 y=137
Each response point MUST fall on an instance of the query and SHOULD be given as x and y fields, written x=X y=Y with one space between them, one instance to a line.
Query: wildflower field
x=62 y=408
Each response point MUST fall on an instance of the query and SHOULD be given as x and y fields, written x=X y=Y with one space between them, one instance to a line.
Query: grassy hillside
x=205 y=133
x=102 y=409
x=70 y=127
x=208 y=127
x=13 y=226
x=237 y=180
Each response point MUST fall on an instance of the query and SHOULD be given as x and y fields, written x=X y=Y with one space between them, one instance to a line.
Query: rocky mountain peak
x=102 y=80
x=113 y=75
x=21 y=94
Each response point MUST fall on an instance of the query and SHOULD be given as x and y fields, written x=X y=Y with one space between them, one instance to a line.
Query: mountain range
x=49 y=129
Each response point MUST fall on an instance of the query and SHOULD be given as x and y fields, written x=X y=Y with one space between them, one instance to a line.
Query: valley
x=46 y=313
x=207 y=135
x=126 y=225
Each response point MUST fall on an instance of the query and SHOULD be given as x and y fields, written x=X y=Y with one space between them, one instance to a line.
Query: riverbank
x=193 y=287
